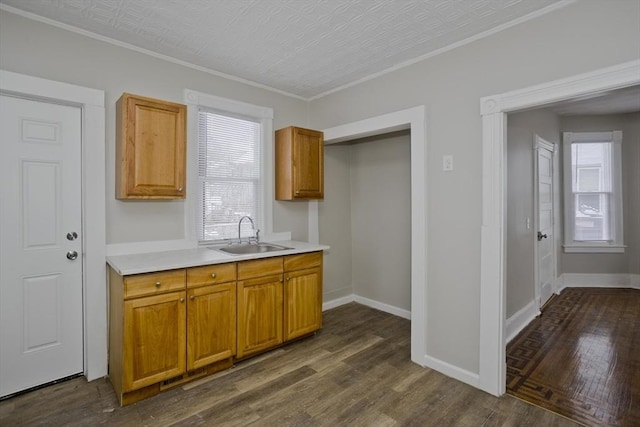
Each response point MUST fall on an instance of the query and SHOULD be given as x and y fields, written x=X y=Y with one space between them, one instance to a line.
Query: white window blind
x=229 y=175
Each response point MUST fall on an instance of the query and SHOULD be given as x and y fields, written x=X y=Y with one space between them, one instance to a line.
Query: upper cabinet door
x=150 y=148
x=299 y=164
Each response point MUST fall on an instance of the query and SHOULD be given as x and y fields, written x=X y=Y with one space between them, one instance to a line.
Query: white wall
x=381 y=219
x=521 y=129
x=366 y=219
x=334 y=222
x=629 y=261
x=450 y=85
x=41 y=50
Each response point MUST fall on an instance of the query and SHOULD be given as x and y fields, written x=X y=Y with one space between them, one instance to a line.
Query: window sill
x=605 y=249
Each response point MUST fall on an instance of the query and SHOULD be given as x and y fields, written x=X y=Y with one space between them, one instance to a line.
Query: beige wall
x=41 y=50
x=365 y=218
x=450 y=85
x=334 y=222
x=521 y=129
x=628 y=262
x=381 y=219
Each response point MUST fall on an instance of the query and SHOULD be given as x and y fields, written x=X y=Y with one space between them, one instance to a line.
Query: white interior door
x=40 y=243
x=545 y=246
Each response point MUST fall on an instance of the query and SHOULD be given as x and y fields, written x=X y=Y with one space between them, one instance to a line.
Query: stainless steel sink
x=251 y=248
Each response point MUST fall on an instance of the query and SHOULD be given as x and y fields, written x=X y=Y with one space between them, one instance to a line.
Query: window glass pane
x=591 y=166
x=592 y=217
x=229 y=171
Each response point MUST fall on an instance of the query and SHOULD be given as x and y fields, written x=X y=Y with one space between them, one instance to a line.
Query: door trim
x=539 y=142
x=91 y=103
x=494 y=109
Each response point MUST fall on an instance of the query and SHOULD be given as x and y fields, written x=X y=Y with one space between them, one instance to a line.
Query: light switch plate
x=447 y=163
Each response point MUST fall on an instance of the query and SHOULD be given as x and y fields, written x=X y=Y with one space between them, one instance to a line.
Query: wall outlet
x=447 y=163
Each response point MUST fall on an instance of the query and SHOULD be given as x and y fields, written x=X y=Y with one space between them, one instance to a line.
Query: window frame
x=195 y=102
x=616 y=244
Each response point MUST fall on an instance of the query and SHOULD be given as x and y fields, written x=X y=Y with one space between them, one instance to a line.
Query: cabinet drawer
x=153 y=283
x=211 y=274
x=302 y=261
x=259 y=267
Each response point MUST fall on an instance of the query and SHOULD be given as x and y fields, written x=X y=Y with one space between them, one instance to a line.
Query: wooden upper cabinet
x=299 y=164
x=150 y=148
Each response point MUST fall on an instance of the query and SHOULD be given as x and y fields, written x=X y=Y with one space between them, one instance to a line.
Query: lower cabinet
x=259 y=305
x=169 y=327
x=211 y=324
x=302 y=295
x=154 y=339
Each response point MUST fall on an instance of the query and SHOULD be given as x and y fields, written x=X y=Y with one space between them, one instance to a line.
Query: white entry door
x=40 y=243
x=545 y=246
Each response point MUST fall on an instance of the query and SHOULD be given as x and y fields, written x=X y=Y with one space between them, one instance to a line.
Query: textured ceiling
x=302 y=47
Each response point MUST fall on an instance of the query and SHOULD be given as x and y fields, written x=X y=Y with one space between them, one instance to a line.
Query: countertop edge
x=148 y=262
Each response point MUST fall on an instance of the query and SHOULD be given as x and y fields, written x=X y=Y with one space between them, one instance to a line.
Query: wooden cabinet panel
x=153 y=283
x=302 y=261
x=211 y=274
x=259 y=314
x=211 y=324
x=150 y=148
x=302 y=302
x=154 y=339
x=299 y=164
x=259 y=268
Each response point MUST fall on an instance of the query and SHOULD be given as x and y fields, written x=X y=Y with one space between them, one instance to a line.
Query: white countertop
x=170 y=260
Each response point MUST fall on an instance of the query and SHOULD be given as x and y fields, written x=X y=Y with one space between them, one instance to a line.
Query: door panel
x=545 y=245
x=40 y=288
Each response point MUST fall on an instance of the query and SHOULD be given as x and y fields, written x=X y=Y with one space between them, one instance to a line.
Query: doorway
x=94 y=299
x=492 y=281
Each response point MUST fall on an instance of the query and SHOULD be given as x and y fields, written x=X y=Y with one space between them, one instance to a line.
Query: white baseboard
x=328 y=305
x=452 y=371
x=383 y=307
x=520 y=319
x=369 y=303
x=579 y=280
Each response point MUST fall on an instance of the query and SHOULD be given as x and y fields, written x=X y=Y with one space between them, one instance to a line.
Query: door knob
x=72 y=236
x=541 y=236
x=72 y=255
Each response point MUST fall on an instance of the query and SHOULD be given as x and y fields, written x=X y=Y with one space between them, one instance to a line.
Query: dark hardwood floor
x=581 y=357
x=355 y=372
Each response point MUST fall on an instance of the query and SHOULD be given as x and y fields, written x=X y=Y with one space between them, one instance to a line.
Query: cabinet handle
x=297 y=192
x=213 y=275
x=288 y=278
x=192 y=297
x=157 y=284
x=180 y=189
x=181 y=299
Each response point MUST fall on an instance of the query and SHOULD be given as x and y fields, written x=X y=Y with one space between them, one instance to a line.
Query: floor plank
x=580 y=357
x=356 y=372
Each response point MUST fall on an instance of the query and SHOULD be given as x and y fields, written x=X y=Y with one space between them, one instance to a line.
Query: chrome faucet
x=253 y=227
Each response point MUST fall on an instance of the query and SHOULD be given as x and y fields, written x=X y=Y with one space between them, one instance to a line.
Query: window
x=229 y=174
x=229 y=161
x=593 y=193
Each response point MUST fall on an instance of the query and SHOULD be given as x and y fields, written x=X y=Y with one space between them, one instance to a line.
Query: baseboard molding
x=337 y=302
x=520 y=319
x=396 y=311
x=593 y=280
x=452 y=371
x=328 y=305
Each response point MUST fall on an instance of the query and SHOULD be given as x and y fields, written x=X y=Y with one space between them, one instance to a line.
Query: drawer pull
x=157 y=284
x=181 y=299
x=192 y=297
x=213 y=275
